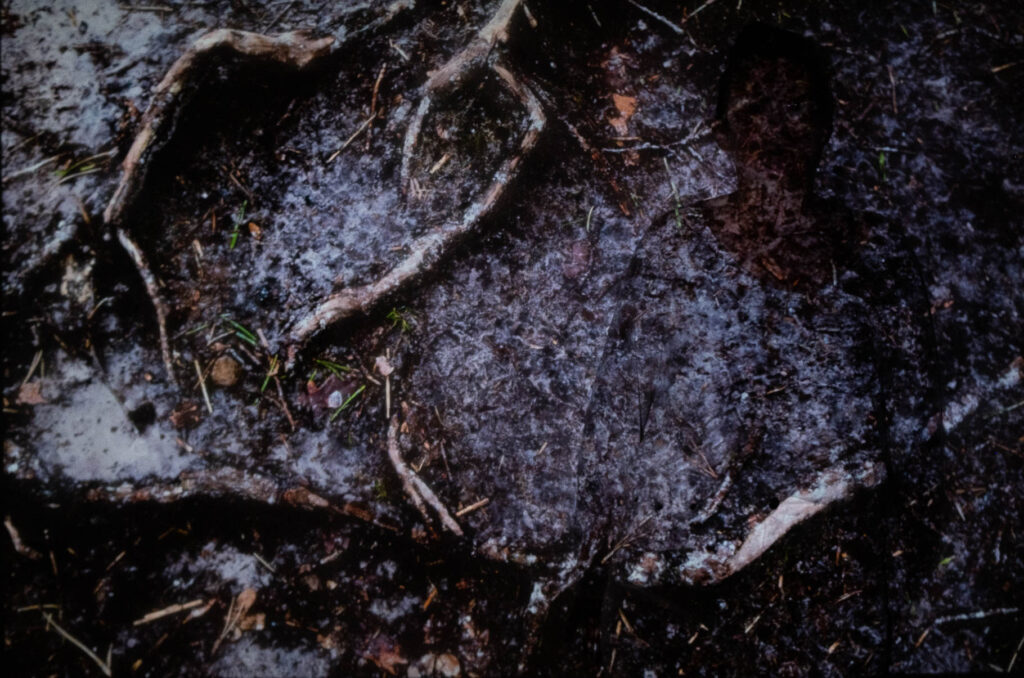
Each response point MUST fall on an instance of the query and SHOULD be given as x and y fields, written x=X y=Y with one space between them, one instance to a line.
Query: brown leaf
x=31 y=393
x=385 y=653
x=186 y=415
x=244 y=601
x=626 y=107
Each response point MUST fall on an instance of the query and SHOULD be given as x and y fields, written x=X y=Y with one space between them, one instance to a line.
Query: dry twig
x=168 y=611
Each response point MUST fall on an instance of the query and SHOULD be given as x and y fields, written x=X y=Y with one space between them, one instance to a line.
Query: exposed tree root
x=236 y=484
x=467 y=64
x=419 y=492
x=830 y=486
x=294 y=49
x=428 y=249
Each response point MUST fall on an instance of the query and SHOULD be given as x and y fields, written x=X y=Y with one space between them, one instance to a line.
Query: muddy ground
x=756 y=247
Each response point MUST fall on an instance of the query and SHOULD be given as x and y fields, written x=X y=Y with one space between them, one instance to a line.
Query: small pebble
x=226 y=371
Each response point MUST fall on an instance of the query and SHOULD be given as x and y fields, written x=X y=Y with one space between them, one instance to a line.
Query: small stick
x=658 y=17
x=104 y=667
x=31 y=168
x=892 y=83
x=168 y=611
x=279 y=16
x=376 y=88
x=699 y=10
x=473 y=507
x=202 y=385
x=1016 y=653
x=980 y=614
x=19 y=545
x=36 y=359
x=359 y=130
x=284 y=404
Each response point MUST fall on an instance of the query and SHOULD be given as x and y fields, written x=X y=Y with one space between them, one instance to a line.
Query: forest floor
x=613 y=323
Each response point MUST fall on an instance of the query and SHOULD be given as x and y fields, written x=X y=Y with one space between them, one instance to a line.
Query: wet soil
x=753 y=249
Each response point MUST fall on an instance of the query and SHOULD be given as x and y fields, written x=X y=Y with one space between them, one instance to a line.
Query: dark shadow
x=774 y=116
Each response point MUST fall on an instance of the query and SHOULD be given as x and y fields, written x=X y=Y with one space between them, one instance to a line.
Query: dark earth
x=764 y=261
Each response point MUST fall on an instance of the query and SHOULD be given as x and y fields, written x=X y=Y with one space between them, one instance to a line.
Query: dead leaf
x=329 y=395
x=385 y=653
x=447 y=665
x=252 y=622
x=31 y=393
x=186 y=415
x=244 y=601
x=626 y=106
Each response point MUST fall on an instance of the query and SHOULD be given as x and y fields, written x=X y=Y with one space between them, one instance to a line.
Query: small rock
x=226 y=371
x=384 y=366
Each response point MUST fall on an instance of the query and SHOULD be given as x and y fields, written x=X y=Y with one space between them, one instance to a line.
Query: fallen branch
x=426 y=250
x=419 y=492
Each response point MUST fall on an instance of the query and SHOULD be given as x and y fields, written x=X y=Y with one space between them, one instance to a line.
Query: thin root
x=455 y=73
x=153 y=290
x=419 y=492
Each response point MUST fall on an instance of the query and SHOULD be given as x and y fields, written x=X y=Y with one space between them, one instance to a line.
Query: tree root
x=237 y=484
x=830 y=486
x=460 y=69
x=294 y=49
x=419 y=492
x=431 y=248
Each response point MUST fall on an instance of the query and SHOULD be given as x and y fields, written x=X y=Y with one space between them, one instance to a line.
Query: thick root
x=294 y=49
x=236 y=484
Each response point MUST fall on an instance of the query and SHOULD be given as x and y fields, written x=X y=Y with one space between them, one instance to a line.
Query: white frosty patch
x=89 y=437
